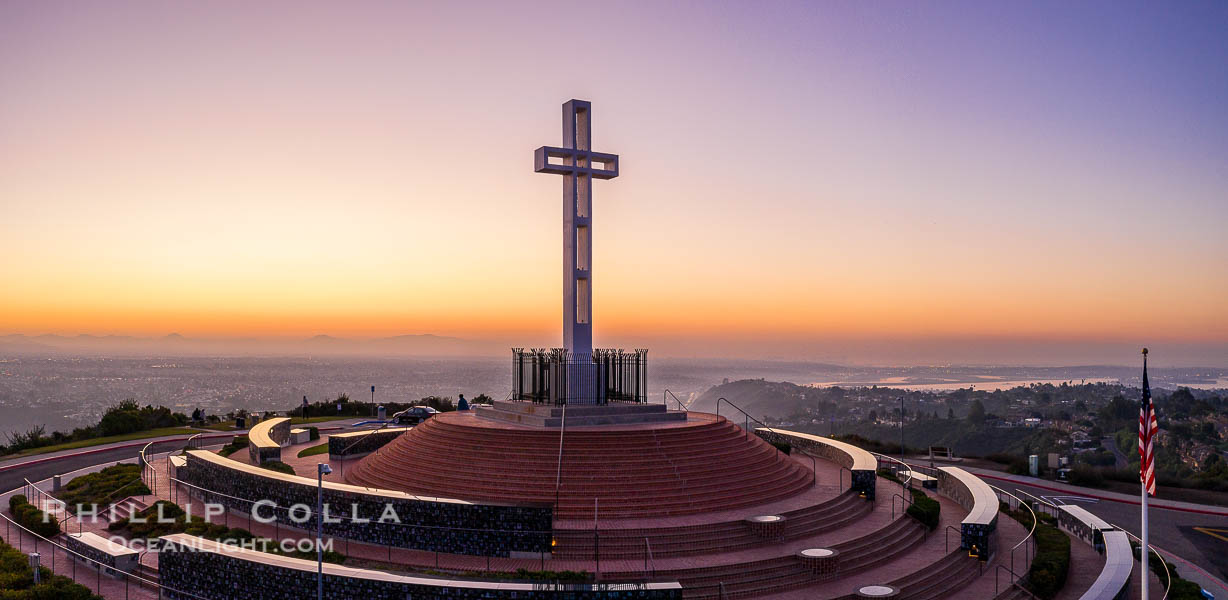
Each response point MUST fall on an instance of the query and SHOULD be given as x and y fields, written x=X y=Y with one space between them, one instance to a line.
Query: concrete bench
x=264 y=440
x=300 y=436
x=979 y=530
x=195 y=565
x=860 y=463
x=117 y=558
x=927 y=482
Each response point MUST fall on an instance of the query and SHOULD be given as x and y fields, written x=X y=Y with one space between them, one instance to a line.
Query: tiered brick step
x=124 y=508
x=941 y=579
x=646 y=470
x=782 y=573
x=664 y=542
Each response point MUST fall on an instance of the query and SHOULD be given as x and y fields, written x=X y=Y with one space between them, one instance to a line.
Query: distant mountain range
x=416 y=345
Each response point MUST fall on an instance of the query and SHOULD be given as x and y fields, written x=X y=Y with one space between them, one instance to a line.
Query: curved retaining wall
x=196 y=568
x=860 y=463
x=434 y=524
x=265 y=439
x=361 y=443
x=979 y=530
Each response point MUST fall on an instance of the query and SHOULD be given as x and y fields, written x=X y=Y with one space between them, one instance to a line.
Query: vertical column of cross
x=577 y=230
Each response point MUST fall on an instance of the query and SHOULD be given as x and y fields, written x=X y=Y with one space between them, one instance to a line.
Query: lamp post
x=322 y=469
x=901 y=429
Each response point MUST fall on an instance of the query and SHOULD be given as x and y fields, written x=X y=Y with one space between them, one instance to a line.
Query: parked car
x=414 y=415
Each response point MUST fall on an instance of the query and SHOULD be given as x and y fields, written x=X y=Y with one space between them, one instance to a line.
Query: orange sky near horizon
x=368 y=173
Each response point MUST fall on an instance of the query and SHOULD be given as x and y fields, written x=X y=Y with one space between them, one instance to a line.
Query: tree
x=950 y=413
x=976 y=413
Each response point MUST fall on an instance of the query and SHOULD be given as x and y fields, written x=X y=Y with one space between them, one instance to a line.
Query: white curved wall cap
x=862 y=460
x=258 y=435
x=984 y=501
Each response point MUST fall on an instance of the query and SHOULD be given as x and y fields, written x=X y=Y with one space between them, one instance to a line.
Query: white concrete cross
x=578 y=165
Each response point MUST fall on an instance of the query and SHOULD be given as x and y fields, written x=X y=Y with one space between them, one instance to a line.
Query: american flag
x=1147 y=429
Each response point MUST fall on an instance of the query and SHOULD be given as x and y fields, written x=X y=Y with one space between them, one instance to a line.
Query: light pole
x=322 y=469
x=901 y=429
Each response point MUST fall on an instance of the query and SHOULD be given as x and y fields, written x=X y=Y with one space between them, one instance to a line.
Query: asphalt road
x=14 y=477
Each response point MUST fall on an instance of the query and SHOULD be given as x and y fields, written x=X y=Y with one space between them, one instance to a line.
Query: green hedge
x=1052 y=561
x=1180 y=589
x=32 y=518
x=925 y=509
x=237 y=444
x=108 y=485
x=17 y=580
x=313 y=433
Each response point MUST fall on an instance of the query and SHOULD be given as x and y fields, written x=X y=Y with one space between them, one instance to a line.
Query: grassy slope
x=139 y=435
x=314 y=450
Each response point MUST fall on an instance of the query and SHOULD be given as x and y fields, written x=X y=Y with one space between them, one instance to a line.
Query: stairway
x=704 y=464
x=727 y=536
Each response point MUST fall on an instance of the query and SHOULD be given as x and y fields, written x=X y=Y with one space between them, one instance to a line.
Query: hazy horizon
x=1037 y=183
x=854 y=352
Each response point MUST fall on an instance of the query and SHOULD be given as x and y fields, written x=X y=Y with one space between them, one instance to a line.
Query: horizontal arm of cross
x=575 y=162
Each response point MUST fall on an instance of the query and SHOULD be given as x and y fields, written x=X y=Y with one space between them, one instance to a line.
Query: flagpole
x=1144 y=551
x=1146 y=546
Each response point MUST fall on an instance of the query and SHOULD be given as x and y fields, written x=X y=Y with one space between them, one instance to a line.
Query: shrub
x=1052 y=561
x=235 y=445
x=925 y=509
x=277 y=465
x=17 y=580
x=313 y=433
x=108 y=485
x=34 y=519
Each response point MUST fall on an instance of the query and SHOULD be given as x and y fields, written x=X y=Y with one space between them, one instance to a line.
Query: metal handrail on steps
x=671 y=394
x=1014 y=582
x=1031 y=534
x=746 y=426
x=946 y=537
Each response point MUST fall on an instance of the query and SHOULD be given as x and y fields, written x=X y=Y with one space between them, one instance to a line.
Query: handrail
x=361 y=438
x=1040 y=500
x=903 y=482
x=186 y=445
x=1016 y=581
x=1031 y=532
x=558 y=474
x=680 y=404
x=946 y=537
x=101 y=565
x=904 y=504
x=648 y=560
x=1146 y=567
x=746 y=428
